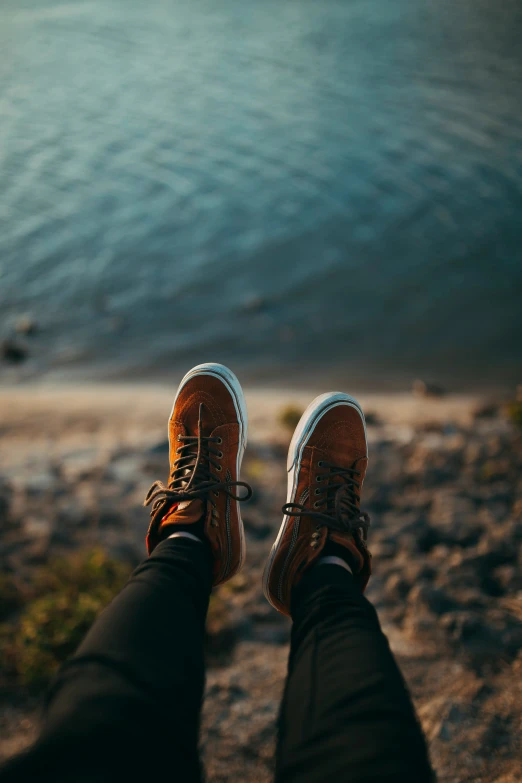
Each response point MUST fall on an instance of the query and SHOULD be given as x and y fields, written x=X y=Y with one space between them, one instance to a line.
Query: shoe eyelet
x=318 y=479
x=320 y=463
x=179 y=438
x=318 y=491
x=220 y=455
x=318 y=527
x=219 y=468
x=316 y=504
x=216 y=494
x=219 y=441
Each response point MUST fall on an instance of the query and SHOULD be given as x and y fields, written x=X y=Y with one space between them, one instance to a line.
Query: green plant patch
x=514 y=412
x=289 y=417
x=71 y=592
x=218 y=615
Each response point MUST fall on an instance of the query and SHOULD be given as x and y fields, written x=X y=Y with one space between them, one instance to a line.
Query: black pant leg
x=346 y=713
x=126 y=706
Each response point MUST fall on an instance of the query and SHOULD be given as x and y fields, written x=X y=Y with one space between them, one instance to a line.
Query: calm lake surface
x=291 y=187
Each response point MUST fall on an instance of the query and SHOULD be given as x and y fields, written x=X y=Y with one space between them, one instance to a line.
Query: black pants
x=127 y=705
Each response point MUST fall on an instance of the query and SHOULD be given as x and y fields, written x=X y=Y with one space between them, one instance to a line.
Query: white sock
x=185 y=534
x=334 y=560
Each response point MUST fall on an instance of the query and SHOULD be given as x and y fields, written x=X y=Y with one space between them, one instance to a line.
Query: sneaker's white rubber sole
x=232 y=384
x=307 y=424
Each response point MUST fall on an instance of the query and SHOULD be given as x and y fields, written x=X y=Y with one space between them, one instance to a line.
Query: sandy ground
x=133 y=414
x=445 y=495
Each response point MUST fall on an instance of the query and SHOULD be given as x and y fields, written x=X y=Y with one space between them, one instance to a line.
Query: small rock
x=6 y=494
x=396 y=588
x=40 y=484
x=453 y=519
x=10 y=594
x=512 y=637
x=71 y=515
x=36 y=527
x=109 y=517
x=115 y=324
x=435 y=599
x=473 y=452
x=81 y=464
x=452 y=723
x=423 y=389
x=253 y=304
x=486 y=410
x=428 y=538
x=159 y=449
x=494 y=551
x=508 y=577
x=27 y=325
x=432 y=426
x=257 y=530
x=384 y=549
x=37 y=552
x=379 y=498
x=416 y=570
x=470 y=597
x=419 y=624
x=61 y=538
x=127 y=469
x=493 y=470
x=466 y=626
x=13 y=351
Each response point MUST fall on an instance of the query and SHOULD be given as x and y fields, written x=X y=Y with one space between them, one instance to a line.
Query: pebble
x=27 y=325
x=13 y=351
x=423 y=389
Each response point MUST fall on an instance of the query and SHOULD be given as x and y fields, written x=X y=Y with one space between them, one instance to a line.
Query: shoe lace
x=337 y=504
x=192 y=476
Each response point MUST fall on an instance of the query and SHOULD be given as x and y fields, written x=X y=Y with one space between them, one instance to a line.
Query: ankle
x=332 y=549
x=334 y=560
x=316 y=579
x=185 y=534
x=169 y=529
x=188 y=541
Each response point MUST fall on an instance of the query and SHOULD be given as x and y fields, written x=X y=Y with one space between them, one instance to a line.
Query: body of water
x=292 y=187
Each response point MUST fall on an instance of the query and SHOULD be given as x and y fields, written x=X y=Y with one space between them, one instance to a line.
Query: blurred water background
x=288 y=186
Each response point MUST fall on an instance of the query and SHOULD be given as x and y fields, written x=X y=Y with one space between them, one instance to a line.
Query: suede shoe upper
x=206 y=436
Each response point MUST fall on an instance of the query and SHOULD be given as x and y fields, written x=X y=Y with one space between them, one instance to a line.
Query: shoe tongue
x=186 y=512
x=191 y=421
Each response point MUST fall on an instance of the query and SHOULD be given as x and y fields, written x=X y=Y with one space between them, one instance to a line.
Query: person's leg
x=346 y=713
x=127 y=704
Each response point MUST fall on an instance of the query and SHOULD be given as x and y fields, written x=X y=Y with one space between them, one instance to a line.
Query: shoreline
x=69 y=416
x=399 y=405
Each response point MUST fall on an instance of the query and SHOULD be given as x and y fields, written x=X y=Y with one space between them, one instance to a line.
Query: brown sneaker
x=207 y=437
x=326 y=465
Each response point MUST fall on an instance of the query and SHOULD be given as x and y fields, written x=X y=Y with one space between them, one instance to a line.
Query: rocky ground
x=444 y=490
